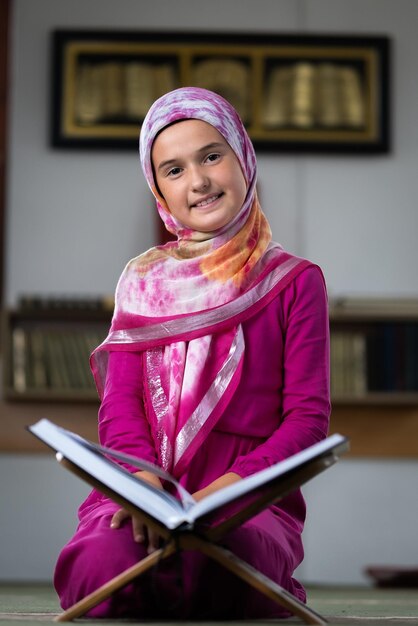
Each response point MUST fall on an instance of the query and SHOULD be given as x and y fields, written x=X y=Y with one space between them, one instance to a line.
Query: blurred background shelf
x=374 y=351
x=359 y=328
x=47 y=346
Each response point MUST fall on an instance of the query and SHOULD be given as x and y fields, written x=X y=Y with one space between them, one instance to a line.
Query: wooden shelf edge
x=378 y=432
x=385 y=398
x=15 y=416
x=375 y=432
x=370 y=309
x=52 y=395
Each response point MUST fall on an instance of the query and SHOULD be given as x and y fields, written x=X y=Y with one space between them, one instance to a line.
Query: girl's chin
x=208 y=226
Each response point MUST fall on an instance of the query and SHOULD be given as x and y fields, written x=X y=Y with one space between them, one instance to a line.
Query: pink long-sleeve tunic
x=280 y=407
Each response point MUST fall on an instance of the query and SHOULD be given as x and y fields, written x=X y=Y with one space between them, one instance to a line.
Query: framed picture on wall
x=295 y=93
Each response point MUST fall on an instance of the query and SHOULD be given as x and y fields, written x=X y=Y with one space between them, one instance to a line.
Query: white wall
x=360 y=513
x=39 y=502
x=75 y=218
x=361 y=217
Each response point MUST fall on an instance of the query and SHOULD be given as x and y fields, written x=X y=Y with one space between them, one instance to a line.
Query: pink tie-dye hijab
x=183 y=303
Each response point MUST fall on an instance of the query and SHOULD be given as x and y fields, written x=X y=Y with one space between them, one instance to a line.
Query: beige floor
x=37 y=604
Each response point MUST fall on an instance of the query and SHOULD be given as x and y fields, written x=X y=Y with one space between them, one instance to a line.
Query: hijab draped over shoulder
x=183 y=304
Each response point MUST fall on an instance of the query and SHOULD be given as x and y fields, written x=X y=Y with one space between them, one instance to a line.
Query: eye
x=174 y=171
x=214 y=156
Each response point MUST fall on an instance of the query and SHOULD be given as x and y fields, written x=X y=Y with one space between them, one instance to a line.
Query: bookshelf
x=379 y=415
x=47 y=348
x=374 y=352
x=374 y=385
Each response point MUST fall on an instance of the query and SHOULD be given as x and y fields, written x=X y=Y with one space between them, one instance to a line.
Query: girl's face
x=198 y=175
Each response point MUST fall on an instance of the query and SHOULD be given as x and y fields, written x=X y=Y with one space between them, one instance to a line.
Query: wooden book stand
x=205 y=541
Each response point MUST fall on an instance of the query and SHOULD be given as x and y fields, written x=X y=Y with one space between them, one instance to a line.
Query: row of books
x=378 y=358
x=53 y=359
x=40 y=302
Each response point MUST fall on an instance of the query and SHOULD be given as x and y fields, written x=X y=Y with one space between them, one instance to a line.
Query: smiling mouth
x=207 y=201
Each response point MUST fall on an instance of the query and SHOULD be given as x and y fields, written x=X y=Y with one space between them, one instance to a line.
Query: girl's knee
x=91 y=559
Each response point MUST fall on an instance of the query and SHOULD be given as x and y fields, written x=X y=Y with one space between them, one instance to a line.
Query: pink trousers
x=186 y=585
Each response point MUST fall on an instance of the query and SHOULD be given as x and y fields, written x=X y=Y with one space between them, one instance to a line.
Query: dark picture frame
x=295 y=93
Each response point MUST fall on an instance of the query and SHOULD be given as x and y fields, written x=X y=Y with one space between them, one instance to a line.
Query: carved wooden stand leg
x=256 y=579
x=223 y=556
x=116 y=583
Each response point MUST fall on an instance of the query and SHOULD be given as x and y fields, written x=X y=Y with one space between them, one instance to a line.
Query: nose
x=198 y=179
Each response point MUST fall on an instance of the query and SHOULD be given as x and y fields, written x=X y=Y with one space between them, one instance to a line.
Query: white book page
x=159 y=504
x=185 y=497
x=225 y=495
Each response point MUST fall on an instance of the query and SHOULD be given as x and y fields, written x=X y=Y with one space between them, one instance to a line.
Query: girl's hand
x=141 y=532
x=222 y=481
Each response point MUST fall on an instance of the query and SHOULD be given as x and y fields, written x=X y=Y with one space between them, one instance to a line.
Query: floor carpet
x=37 y=604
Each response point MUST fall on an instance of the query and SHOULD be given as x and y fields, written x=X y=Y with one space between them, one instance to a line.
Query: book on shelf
x=348 y=363
x=166 y=510
x=380 y=357
x=20 y=362
x=411 y=357
x=49 y=358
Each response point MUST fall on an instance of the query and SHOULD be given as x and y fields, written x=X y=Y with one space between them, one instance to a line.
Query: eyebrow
x=210 y=146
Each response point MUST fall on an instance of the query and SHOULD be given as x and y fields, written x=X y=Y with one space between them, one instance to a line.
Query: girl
x=215 y=367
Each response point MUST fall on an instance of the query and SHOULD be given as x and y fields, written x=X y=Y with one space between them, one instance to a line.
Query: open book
x=184 y=523
x=170 y=512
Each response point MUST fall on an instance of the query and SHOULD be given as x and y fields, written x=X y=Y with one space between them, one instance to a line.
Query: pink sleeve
x=123 y=425
x=305 y=393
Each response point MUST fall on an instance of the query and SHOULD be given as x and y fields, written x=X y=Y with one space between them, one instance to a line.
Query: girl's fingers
x=153 y=541
x=118 y=518
x=138 y=530
x=137 y=525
